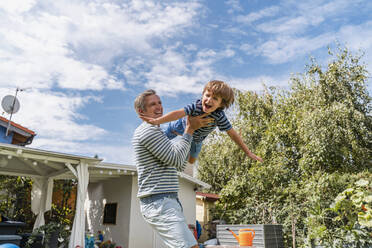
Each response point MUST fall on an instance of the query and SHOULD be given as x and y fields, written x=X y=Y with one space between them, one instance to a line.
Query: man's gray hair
x=139 y=103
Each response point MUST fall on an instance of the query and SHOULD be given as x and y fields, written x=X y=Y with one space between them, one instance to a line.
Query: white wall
x=140 y=233
x=187 y=197
x=118 y=190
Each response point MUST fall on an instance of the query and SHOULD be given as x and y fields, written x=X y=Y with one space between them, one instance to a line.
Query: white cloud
x=359 y=39
x=357 y=36
x=284 y=49
x=173 y=72
x=289 y=35
x=247 y=48
x=76 y=46
x=73 y=44
x=286 y=25
x=256 y=83
x=234 y=6
x=35 y=53
x=109 y=29
x=109 y=153
x=255 y=16
x=115 y=154
x=17 y=6
x=53 y=115
x=301 y=16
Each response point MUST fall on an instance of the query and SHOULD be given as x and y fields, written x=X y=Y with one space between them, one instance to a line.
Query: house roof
x=108 y=170
x=16 y=127
x=208 y=196
x=23 y=161
x=194 y=180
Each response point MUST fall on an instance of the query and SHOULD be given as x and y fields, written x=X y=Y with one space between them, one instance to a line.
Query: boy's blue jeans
x=177 y=128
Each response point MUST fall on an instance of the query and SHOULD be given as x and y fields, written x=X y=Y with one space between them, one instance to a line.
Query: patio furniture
x=10 y=227
x=10 y=239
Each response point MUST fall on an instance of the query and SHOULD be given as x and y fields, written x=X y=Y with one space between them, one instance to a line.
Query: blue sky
x=82 y=63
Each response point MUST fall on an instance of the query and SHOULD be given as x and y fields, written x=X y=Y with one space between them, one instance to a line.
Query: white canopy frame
x=43 y=167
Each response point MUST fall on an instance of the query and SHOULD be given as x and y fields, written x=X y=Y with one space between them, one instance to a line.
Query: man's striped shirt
x=220 y=120
x=158 y=159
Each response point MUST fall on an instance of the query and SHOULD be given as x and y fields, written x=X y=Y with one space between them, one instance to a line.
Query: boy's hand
x=255 y=157
x=150 y=120
x=259 y=159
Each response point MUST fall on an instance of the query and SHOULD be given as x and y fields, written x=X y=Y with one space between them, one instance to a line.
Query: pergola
x=43 y=167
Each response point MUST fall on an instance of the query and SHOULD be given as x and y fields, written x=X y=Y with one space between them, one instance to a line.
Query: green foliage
x=107 y=244
x=315 y=139
x=15 y=199
x=15 y=203
x=60 y=231
x=348 y=220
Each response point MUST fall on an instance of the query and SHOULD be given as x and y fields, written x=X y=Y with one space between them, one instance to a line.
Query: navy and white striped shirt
x=221 y=121
x=158 y=159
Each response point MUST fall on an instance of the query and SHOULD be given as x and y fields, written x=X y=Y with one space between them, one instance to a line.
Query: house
x=17 y=134
x=106 y=193
x=127 y=227
x=205 y=202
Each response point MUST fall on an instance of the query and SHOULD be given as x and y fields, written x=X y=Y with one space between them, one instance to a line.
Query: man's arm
x=159 y=146
x=171 y=116
x=168 y=152
x=239 y=141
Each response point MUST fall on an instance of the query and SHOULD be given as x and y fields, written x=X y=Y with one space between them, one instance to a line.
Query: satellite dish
x=10 y=104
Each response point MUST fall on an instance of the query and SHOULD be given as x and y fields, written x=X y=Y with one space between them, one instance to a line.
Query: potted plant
x=53 y=232
x=107 y=244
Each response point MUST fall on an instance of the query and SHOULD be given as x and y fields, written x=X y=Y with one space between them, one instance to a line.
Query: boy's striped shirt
x=158 y=159
x=221 y=121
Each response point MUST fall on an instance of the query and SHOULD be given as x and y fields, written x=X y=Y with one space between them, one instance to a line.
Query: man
x=158 y=159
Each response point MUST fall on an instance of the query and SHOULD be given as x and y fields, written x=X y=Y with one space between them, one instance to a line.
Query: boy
x=217 y=96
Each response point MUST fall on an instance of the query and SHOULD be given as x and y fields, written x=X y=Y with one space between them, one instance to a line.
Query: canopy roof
x=29 y=162
x=23 y=161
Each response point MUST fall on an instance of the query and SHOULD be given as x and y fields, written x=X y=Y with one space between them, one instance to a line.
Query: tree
x=318 y=132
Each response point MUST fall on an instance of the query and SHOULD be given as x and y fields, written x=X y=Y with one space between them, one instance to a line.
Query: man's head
x=217 y=94
x=148 y=104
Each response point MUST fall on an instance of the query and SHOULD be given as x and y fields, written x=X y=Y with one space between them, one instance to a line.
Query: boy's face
x=210 y=102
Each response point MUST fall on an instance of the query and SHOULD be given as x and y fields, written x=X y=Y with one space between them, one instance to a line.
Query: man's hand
x=196 y=122
x=150 y=120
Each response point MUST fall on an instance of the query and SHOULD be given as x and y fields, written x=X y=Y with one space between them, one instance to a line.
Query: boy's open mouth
x=207 y=106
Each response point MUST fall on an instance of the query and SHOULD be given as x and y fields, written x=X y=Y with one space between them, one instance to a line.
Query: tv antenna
x=11 y=105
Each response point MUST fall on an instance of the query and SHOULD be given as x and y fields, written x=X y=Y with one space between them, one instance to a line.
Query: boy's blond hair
x=223 y=90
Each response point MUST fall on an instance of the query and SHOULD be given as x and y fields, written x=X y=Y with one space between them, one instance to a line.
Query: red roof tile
x=17 y=125
x=209 y=195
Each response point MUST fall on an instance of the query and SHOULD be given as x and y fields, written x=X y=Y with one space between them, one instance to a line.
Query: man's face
x=210 y=102
x=153 y=107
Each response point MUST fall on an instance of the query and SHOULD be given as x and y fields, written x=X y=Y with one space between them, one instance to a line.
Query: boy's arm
x=239 y=141
x=171 y=116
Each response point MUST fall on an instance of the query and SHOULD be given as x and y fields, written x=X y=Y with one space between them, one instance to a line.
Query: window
x=109 y=214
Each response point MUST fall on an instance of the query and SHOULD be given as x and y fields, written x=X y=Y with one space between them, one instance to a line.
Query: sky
x=82 y=63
